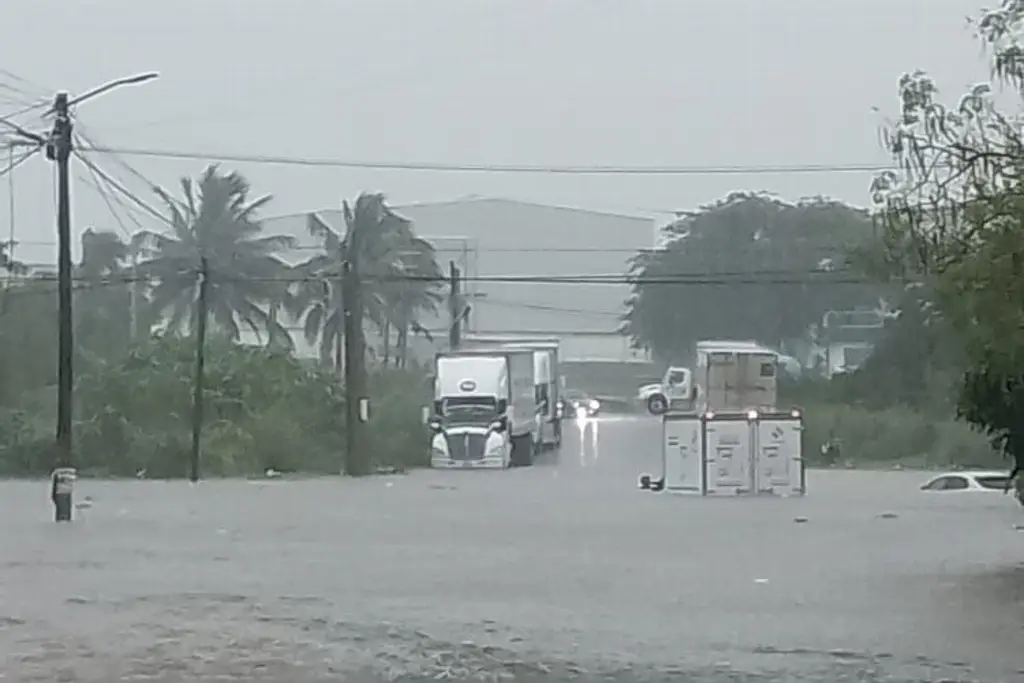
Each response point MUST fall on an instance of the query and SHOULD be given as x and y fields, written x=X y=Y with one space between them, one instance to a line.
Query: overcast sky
x=562 y=82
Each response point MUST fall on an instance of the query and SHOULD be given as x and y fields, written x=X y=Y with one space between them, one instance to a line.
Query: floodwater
x=560 y=572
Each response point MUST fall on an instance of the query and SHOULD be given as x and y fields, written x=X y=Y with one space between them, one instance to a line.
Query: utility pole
x=12 y=214
x=356 y=456
x=454 y=307
x=58 y=144
x=200 y=380
x=133 y=299
x=58 y=149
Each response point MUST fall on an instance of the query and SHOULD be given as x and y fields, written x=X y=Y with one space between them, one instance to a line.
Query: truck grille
x=466 y=446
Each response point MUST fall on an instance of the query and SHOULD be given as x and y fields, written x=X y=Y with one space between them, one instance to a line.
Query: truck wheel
x=657 y=404
x=522 y=451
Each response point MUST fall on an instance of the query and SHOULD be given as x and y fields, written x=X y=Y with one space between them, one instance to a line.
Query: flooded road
x=560 y=572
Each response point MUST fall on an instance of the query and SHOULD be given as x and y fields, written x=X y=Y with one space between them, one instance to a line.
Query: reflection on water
x=589 y=451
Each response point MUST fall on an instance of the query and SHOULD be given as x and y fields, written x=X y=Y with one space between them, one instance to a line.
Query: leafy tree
x=28 y=339
x=265 y=410
x=913 y=365
x=953 y=217
x=216 y=222
x=748 y=267
x=107 y=301
x=399 y=272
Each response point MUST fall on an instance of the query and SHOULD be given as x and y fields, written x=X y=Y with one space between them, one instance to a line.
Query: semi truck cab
x=484 y=411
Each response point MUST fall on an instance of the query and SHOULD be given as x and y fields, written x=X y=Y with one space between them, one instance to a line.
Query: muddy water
x=562 y=572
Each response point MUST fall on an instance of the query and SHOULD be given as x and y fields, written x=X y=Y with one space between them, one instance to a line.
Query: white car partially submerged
x=981 y=481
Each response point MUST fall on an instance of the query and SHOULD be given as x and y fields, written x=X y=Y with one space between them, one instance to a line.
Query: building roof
x=476 y=199
x=471 y=199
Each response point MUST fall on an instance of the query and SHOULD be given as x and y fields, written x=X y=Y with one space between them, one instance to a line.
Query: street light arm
x=99 y=90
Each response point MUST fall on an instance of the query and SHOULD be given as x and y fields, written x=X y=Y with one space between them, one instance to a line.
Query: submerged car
x=982 y=481
x=578 y=404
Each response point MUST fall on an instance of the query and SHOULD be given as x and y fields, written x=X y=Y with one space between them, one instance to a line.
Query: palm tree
x=214 y=228
x=316 y=300
x=405 y=299
x=395 y=266
x=105 y=309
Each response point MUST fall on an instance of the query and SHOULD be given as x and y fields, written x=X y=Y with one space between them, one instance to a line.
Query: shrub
x=895 y=435
x=263 y=410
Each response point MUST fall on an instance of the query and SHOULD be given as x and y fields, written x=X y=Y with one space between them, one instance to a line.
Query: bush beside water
x=895 y=436
x=263 y=410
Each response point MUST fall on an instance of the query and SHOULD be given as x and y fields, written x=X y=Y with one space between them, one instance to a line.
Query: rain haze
x=578 y=83
x=505 y=164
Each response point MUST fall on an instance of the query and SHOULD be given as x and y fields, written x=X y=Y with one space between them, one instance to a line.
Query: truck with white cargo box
x=737 y=441
x=484 y=412
x=547 y=376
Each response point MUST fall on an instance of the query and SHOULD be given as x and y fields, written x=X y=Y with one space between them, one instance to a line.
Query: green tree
x=748 y=267
x=264 y=410
x=104 y=307
x=216 y=221
x=399 y=271
x=28 y=339
x=953 y=218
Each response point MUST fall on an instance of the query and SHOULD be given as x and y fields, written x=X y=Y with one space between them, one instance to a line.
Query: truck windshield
x=469 y=409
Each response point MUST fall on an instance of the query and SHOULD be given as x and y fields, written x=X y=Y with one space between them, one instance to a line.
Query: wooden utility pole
x=455 y=312
x=202 y=306
x=58 y=149
x=357 y=461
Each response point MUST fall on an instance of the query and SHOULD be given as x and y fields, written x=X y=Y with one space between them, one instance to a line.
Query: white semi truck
x=737 y=441
x=484 y=412
x=547 y=377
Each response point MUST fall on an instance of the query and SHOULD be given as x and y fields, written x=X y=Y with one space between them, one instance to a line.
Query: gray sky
x=571 y=82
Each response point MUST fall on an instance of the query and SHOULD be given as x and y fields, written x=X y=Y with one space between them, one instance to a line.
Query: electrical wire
x=19 y=161
x=767 y=278
x=96 y=184
x=123 y=191
x=433 y=166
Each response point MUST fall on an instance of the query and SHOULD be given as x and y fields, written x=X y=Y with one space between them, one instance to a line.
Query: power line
x=18 y=161
x=441 y=167
x=725 y=279
x=504 y=303
x=123 y=191
x=480 y=249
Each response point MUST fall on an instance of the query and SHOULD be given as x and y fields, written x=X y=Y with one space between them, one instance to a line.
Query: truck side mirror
x=502 y=405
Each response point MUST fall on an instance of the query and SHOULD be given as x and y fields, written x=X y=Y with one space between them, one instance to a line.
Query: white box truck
x=738 y=442
x=735 y=377
x=484 y=412
x=547 y=377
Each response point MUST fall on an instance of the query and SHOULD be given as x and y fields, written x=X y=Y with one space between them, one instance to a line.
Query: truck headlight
x=594 y=404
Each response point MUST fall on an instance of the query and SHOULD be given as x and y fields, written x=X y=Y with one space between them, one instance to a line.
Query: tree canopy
x=135 y=311
x=952 y=215
x=215 y=228
x=399 y=270
x=749 y=267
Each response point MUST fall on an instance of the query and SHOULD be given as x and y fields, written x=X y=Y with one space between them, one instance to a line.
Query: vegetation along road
x=560 y=572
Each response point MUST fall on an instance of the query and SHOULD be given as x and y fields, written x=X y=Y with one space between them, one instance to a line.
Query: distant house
x=496 y=243
x=847 y=338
